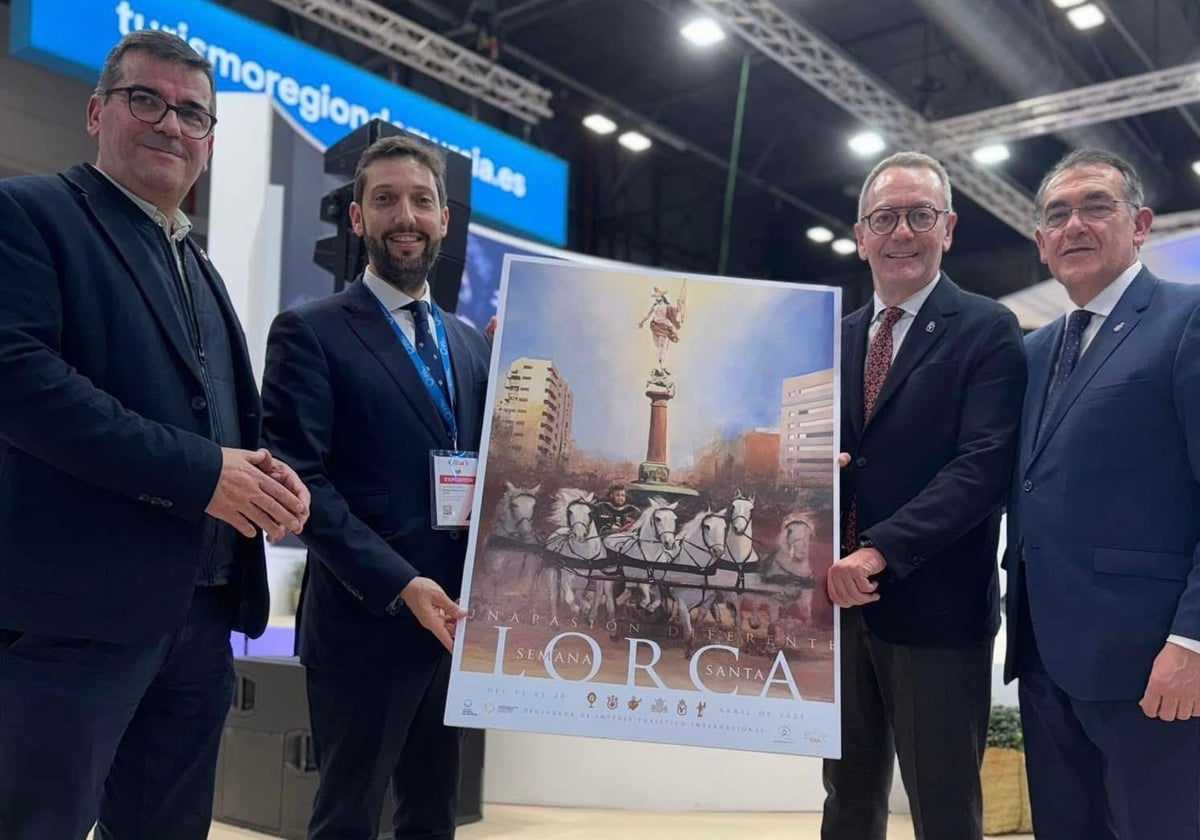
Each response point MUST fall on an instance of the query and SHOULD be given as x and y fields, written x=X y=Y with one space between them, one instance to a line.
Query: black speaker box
x=266 y=773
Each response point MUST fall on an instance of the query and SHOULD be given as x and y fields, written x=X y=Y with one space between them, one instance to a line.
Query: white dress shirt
x=394 y=301
x=1101 y=306
x=911 y=307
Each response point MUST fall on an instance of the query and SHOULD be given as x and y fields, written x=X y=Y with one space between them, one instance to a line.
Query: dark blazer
x=1106 y=502
x=344 y=405
x=932 y=465
x=105 y=461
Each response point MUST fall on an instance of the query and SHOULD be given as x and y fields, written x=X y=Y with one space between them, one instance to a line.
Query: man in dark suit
x=1104 y=526
x=360 y=388
x=932 y=379
x=130 y=501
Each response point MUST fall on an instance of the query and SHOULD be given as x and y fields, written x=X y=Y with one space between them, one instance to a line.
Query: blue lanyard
x=435 y=392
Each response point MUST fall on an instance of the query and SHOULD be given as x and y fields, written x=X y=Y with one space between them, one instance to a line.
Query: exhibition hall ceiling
x=939 y=58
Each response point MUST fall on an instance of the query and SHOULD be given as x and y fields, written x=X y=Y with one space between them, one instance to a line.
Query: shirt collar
x=1104 y=303
x=387 y=294
x=176 y=227
x=913 y=304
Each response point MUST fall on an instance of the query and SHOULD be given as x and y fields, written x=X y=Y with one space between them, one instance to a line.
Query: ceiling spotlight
x=1067 y=4
x=867 y=143
x=1086 y=17
x=845 y=247
x=991 y=155
x=1196 y=167
x=819 y=234
x=702 y=31
x=635 y=141
x=599 y=124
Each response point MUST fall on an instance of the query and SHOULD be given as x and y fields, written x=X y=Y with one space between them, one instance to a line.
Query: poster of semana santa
x=656 y=511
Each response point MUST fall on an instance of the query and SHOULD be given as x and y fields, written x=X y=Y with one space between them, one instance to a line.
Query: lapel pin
x=930 y=327
x=1119 y=327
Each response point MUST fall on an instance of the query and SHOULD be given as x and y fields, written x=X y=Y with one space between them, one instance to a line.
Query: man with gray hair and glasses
x=932 y=380
x=133 y=498
x=1103 y=551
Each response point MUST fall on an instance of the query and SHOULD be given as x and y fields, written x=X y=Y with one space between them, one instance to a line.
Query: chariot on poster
x=657 y=498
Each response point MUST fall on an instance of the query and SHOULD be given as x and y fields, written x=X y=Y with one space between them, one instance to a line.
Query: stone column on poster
x=654 y=475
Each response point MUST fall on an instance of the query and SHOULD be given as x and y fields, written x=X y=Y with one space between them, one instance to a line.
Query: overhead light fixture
x=819 y=234
x=845 y=247
x=991 y=155
x=866 y=144
x=1086 y=17
x=1067 y=4
x=702 y=31
x=599 y=124
x=635 y=141
x=1196 y=167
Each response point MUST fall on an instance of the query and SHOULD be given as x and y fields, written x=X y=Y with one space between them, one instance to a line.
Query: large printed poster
x=655 y=509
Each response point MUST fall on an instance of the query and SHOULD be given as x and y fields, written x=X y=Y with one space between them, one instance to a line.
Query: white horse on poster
x=577 y=541
x=701 y=546
x=652 y=540
x=786 y=574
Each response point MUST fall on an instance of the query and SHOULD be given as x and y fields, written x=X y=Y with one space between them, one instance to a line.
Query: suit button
x=860 y=461
x=1027 y=486
x=143 y=497
x=199 y=403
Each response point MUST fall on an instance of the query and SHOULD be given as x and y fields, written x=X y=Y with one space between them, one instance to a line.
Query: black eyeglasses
x=1092 y=210
x=150 y=108
x=919 y=219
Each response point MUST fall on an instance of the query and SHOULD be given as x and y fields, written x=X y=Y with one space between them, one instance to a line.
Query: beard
x=406 y=272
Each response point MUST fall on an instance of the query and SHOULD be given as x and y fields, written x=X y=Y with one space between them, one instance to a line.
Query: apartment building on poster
x=806 y=427
x=533 y=413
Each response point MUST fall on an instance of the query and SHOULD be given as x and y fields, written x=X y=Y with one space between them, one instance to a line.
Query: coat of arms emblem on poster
x=656 y=509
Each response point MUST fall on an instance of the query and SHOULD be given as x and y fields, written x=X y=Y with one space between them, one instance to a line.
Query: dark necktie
x=879 y=361
x=1072 y=347
x=426 y=345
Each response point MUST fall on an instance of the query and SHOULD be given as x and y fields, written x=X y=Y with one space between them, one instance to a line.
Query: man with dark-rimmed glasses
x=1103 y=553
x=133 y=500
x=932 y=379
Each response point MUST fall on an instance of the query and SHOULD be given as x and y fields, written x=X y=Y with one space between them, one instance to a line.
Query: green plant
x=1004 y=728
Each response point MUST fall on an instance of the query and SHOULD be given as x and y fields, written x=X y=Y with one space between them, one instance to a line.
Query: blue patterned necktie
x=426 y=345
x=1072 y=345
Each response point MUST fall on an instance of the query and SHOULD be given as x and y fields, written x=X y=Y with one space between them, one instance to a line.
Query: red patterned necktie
x=879 y=360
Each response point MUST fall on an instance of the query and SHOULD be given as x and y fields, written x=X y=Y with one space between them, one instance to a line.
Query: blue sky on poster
x=738 y=342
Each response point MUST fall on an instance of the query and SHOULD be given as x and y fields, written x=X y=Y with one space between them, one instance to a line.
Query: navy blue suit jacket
x=1106 y=502
x=105 y=461
x=344 y=405
x=930 y=468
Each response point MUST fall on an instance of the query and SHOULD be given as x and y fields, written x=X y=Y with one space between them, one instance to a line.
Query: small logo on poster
x=700 y=707
x=659 y=707
x=591 y=698
x=467 y=710
x=681 y=708
x=783 y=733
x=634 y=702
x=489 y=708
x=613 y=702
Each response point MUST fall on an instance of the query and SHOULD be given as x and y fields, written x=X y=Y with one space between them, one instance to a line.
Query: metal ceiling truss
x=807 y=55
x=1068 y=109
x=440 y=58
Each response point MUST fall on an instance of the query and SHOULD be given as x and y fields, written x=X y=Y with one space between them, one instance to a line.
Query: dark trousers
x=926 y=706
x=379 y=727
x=1103 y=770
x=121 y=735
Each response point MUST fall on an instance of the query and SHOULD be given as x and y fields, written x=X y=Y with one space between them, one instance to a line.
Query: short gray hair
x=160 y=45
x=907 y=160
x=1135 y=194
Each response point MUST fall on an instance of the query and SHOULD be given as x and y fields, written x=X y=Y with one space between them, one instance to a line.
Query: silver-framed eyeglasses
x=919 y=219
x=1056 y=216
x=150 y=108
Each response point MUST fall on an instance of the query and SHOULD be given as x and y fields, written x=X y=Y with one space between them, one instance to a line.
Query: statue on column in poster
x=666 y=320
